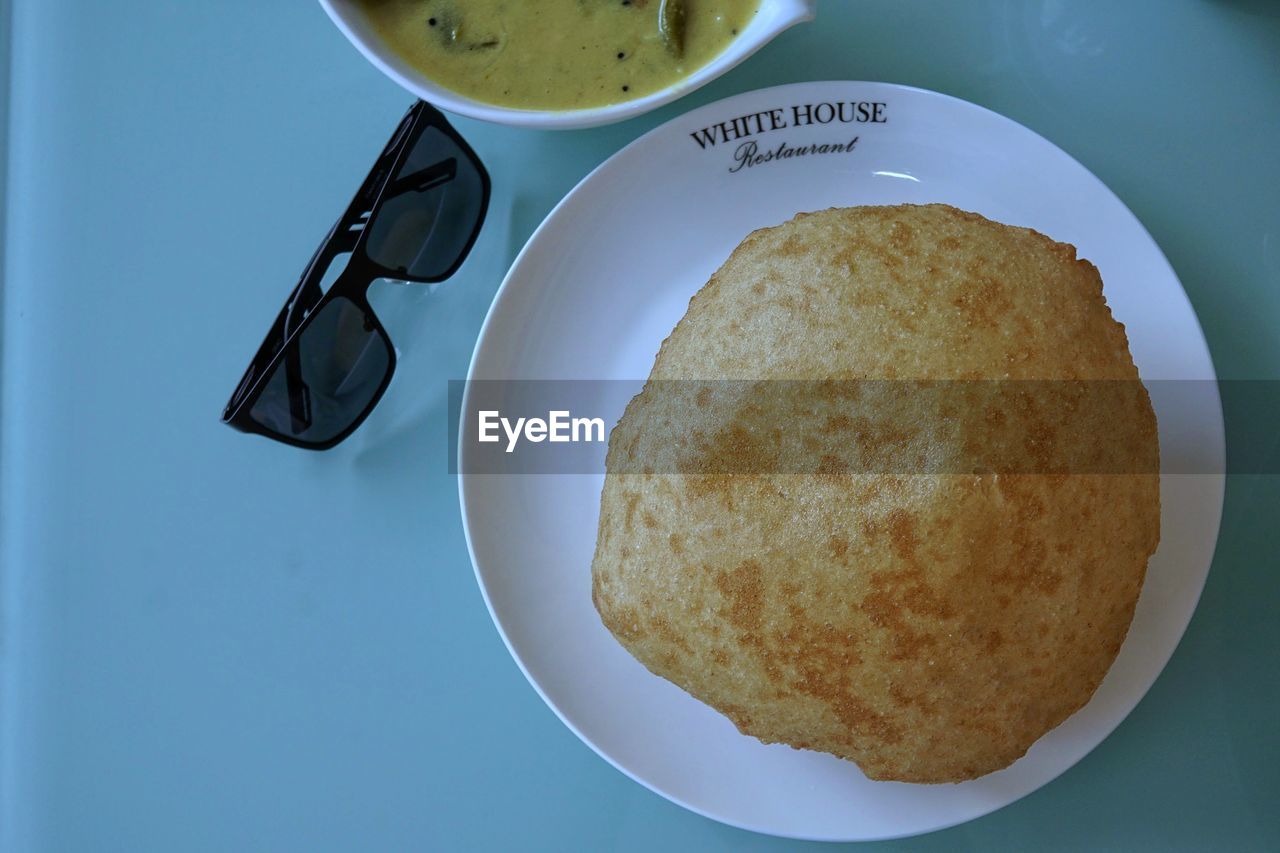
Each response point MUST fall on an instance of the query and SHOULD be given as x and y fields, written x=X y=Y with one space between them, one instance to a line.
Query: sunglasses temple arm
x=306 y=295
x=344 y=235
x=307 y=292
x=424 y=179
x=299 y=392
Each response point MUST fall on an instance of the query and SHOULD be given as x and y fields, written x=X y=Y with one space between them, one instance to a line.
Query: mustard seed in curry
x=558 y=54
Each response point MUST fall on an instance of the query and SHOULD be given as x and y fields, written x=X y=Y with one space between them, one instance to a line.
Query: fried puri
x=889 y=492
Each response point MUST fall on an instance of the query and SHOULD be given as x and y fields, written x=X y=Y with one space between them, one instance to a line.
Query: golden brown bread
x=923 y=583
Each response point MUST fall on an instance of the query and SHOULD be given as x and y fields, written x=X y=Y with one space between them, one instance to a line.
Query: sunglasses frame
x=348 y=235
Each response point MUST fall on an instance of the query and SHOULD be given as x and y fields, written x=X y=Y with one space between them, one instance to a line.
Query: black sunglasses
x=327 y=360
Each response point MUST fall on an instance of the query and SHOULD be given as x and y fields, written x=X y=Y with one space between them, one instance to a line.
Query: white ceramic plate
x=606 y=277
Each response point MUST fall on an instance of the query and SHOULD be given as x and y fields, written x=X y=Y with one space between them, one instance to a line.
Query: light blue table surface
x=214 y=642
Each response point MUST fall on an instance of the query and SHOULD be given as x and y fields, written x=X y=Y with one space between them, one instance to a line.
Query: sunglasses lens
x=430 y=210
x=328 y=378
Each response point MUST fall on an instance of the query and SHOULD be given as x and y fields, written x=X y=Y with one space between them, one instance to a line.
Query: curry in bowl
x=558 y=54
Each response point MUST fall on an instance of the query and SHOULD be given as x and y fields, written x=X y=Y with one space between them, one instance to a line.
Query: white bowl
x=772 y=18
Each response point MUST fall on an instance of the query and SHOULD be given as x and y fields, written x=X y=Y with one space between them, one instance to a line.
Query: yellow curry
x=558 y=54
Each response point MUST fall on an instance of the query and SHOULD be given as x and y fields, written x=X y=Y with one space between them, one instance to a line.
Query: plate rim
x=1217 y=478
